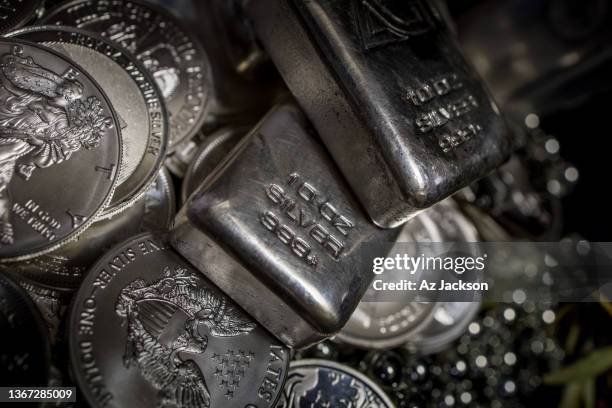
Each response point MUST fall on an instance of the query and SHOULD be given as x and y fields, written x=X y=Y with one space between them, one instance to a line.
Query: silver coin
x=321 y=384
x=17 y=13
x=149 y=330
x=180 y=159
x=171 y=54
x=451 y=319
x=134 y=96
x=453 y=224
x=382 y=324
x=60 y=145
x=213 y=150
x=63 y=269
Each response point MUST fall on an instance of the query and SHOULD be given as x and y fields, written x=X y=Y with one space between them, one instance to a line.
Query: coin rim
x=333 y=365
x=82 y=293
x=401 y=338
x=208 y=79
x=74 y=234
x=26 y=19
x=151 y=171
x=436 y=343
x=54 y=284
x=210 y=143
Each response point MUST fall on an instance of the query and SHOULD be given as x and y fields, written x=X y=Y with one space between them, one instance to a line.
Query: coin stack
x=285 y=133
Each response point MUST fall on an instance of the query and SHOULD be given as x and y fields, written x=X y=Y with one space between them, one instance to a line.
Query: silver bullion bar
x=384 y=81
x=277 y=229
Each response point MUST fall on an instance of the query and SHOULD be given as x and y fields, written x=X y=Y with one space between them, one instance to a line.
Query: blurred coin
x=451 y=319
x=24 y=349
x=17 y=13
x=322 y=383
x=60 y=147
x=382 y=324
x=157 y=333
x=63 y=269
x=212 y=152
x=134 y=96
x=173 y=56
x=453 y=224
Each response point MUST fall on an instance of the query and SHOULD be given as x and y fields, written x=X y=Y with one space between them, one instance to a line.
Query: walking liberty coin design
x=60 y=149
x=134 y=95
x=148 y=330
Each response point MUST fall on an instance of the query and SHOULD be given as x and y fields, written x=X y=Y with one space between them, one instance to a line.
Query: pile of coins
x=106 y=106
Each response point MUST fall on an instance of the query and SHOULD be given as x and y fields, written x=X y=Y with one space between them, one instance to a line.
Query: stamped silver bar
x=277 y=229
x=402 y=112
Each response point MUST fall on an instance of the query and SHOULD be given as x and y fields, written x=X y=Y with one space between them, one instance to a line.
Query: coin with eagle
x=147 y=329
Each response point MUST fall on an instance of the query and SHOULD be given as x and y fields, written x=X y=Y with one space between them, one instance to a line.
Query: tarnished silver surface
x=322 y=383
x=213 y=150
x=385 y=82
x=157 y=333
x=60 y=149
x=378 y=324
x=278 y=218
x=17 y=13
x=64 y=269
x=451 y=319
x=173 y=56
x=134 y=96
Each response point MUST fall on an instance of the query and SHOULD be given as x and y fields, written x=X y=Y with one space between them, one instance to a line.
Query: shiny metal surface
x=322 y=383
x=60 y=149
x=134 y=96
x=278 y=218
x=386 y=82
x=379 y=324
x=172 y=55
x=213 y=150
x=158 y=333
x=64 y=268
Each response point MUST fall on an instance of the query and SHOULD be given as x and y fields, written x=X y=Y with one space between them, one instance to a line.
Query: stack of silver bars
x=302 y=133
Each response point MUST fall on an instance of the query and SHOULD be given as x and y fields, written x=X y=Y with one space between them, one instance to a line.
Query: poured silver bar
x=277 y=229
x=383 y=81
